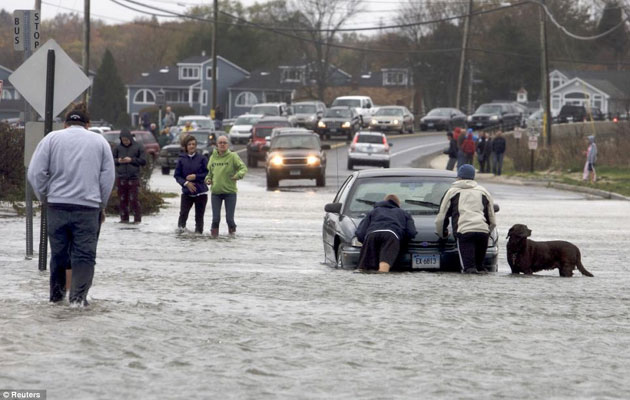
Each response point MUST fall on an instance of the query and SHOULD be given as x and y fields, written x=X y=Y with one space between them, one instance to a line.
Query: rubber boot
x=214 y=232
x=232 y=231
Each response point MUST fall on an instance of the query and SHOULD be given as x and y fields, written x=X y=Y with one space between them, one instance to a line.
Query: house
x=188 y=82
x=607 y=90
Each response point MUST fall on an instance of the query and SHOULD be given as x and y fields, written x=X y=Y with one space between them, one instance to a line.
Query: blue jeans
x=498 y=163
x=73 y=234
x=230 y=206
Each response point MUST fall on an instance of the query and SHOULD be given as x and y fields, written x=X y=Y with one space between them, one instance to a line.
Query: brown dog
x=527 y=256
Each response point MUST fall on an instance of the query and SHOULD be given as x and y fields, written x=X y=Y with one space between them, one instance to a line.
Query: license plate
x=425 y=261
x=430 y=124
x=294 y=172
x=333 y=130
x=479 y=124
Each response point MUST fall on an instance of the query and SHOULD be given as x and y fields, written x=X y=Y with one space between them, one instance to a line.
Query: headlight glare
x=321 y=124
x=494 y=118
x=277 y=161
x=312 y=160
x=373 y=122
x=346 y=125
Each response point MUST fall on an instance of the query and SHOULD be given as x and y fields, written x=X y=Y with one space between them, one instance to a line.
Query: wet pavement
x=260 y=317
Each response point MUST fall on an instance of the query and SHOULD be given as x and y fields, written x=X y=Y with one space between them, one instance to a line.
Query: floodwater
x=259 y=317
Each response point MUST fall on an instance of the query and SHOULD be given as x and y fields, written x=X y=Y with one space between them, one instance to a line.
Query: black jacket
x=386 y=215
x=498 y=145
x=135 y=151
x=186 y=165
x=452 y=149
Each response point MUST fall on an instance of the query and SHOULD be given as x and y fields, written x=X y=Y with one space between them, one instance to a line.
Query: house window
x=144 y=96
x=556 y=81
x=209 y=73
x=6 y=95
x=172 y=96
x=204 y=97
x=597 y=101
x=555 y=102
x=394 y=78
x=189 y=72
x=246 y=99
x=185 y=96
x=195 y=96
x=292 y=75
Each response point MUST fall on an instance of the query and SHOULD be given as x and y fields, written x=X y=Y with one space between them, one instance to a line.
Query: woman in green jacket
x=224 y=169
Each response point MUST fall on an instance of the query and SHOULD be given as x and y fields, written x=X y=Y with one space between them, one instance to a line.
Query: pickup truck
x=362 y=105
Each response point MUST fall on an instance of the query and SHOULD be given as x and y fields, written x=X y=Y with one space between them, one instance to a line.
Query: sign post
x=532 y=143
x=35 y=79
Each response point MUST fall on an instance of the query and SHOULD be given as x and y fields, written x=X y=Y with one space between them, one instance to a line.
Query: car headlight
x=312 y=160
x=373 y=122
x=277 y=161
x=355 y=242
x=494 y=118
x=346 y=125
x=396 y=122
x=311 y=118
x=321 y=124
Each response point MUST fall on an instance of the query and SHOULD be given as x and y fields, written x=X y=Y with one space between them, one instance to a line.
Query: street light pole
x=86 y=44
x=214 y=58
x=462 y=60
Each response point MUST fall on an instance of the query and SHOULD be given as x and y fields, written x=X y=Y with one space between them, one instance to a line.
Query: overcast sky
x=376 y=11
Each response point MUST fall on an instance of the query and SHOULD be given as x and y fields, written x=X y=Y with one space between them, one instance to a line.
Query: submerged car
x=369 y=148
x=443 y=119
x=392 y=118
x=420 y=192
x=296 y=155
x=206 y=142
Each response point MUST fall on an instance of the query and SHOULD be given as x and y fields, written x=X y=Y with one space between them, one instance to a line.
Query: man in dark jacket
x=381 y=233
x=128 y=158
x=481 y=152
x=498 y=148
x=451 y=151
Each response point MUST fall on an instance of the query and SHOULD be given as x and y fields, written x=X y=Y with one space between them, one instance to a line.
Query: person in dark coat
x=451 y=151
x=487 y=152
x=498 y=148
x=190 y=172
x=381 y=233
x=481 y=152
x=128 y=158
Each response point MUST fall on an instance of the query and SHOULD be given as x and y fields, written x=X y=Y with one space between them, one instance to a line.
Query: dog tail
x=581 y=268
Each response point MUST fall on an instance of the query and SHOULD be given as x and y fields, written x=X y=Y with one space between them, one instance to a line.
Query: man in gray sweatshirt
x=72 y=173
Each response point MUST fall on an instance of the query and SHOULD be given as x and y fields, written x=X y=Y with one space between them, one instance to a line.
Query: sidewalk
x=439 y=162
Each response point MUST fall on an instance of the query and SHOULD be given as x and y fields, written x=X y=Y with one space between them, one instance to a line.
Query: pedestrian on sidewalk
x=470 y=208
x=381 y=232
x=469 y=147
x=498 y=148
x=190 y=171
x=481 y=152
x=591 y=158
x=487 y=153
x=129 y=157
x=224 y=169
x=451 y=151
x=72 y=174
x=461 y=156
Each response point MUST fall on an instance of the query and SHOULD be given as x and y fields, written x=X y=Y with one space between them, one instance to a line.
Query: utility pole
x=462 y=60
x=38 y=5
x=544 y=77
x=471 y=70
x=86 y=44
x=214 y=58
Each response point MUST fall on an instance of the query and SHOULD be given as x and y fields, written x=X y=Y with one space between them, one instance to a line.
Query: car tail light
x=353 y=146
x=615 y=119
x=385 y=144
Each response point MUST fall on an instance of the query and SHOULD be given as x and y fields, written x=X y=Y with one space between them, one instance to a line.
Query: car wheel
x=271 y=182
x=386 y=164
x=350 y=165
x=339 y=264
x=321 y=180
x=166 y=170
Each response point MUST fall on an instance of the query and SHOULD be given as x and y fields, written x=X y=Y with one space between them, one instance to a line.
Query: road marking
x=417 y=147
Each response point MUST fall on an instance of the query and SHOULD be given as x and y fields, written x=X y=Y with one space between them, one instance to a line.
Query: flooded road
x=259 y=317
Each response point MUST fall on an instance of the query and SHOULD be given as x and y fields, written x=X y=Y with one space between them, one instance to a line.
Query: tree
x=108 y=94
x=617 y=40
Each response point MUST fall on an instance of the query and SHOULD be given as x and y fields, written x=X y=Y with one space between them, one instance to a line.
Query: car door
x=331 y=221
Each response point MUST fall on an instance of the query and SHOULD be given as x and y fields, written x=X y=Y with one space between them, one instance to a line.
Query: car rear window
x=338 y=113
x=396 y=112
x=262 y=132
x=347 y=103
x=419 y=195
x=370 y=139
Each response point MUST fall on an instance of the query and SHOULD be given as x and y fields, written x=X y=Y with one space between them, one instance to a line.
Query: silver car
x=241 y=130
x=369 y=148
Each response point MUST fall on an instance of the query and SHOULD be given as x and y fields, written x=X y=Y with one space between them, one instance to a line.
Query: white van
x=363 y=105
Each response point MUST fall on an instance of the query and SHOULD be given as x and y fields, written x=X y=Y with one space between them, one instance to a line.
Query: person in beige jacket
x=470 y=208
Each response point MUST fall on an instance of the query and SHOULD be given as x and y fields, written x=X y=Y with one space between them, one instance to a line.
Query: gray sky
x=376 y=11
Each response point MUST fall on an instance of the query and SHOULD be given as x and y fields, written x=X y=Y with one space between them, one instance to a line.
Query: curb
x=438 y=161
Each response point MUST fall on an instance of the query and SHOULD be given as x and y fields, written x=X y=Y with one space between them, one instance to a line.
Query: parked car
x=339 y=121
x=420 y=192
x=270 y=109
x=256 y=147
x=571 y=113
x=362 y=105
x=296 y=155
x=504 y=116
x=145 y=138
x=206 y=142
x=443 y=119
x=307 y=113
x=392 y=118
x=241 y=130
x=197 y=121
x=369 y=148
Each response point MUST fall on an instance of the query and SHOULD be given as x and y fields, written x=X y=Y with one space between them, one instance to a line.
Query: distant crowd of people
x=488 y=146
